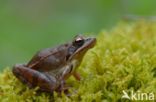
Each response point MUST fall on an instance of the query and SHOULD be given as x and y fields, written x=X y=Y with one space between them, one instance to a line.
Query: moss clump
x=123 y=59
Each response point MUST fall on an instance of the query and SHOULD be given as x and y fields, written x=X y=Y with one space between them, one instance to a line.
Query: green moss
x=123 y=59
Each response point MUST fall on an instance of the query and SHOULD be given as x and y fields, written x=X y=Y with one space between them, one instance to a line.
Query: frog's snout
x=92 y=42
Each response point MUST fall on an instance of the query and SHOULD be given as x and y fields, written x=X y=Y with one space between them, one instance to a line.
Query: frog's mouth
x=89 y=43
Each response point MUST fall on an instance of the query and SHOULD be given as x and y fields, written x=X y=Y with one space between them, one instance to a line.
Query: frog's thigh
x=35 y=78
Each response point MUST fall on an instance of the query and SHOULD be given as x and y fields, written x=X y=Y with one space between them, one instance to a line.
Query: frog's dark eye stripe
x=71 y=50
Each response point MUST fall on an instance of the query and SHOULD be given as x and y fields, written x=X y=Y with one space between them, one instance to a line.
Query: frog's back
x=50 y=58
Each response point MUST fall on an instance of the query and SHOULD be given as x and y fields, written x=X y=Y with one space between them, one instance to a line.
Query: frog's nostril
x=88 y=39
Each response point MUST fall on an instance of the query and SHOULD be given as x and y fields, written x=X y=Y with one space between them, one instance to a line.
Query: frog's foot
x=64 y=89
x=77 y=76
x=35 y=78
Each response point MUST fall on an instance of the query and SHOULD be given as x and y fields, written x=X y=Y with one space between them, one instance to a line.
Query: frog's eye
x=79 y=42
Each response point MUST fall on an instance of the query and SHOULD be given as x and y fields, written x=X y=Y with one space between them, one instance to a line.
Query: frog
x=49 y=68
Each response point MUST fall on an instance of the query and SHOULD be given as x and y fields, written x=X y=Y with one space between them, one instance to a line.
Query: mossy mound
x=123 y=59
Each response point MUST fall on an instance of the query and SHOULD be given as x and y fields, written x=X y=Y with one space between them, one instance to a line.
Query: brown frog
x=50 y=67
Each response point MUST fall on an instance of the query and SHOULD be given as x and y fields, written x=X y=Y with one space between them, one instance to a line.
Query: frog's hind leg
x=35 y=78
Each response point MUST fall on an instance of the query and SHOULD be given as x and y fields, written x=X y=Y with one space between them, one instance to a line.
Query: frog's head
x=80 y=45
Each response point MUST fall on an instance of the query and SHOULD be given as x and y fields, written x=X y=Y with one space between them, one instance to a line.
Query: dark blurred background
x=27 y=26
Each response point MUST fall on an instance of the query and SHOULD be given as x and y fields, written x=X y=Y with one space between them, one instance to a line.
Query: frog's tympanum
x=50 y=67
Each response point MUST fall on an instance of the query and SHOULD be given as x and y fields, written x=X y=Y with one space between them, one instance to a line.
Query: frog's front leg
x=35 y=78
x=77 y=76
